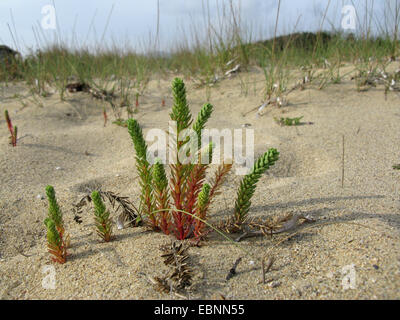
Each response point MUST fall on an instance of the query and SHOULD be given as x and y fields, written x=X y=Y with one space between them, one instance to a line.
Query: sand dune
x=67 y=146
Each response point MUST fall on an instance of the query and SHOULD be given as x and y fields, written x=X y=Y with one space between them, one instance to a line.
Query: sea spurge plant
x=201 y=210
x=203 y=199
x=175 y=202
x=249 y=183
x=55 y=242
x=202 y=118
x=102 y=217
x=54 y=223
x=144 y=169
x=55 y=213
x=180 y=109
x=13 y=130
x=161 y=197
x=181 y=206
x=196 y=180
x=180 y=172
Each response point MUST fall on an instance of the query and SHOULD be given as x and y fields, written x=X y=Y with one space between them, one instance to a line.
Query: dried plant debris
x=77 y=219
x=232 y=271
x=180 y=277
x=374 y=76
x=266 y=266
x=232 y=71
x=161 y=284
x=276 y=225
x=128 y=213
x=77 y=87
x=99 y=94
x=230 y=226
x=84 y=87
x=267 y=227
x=209 y=81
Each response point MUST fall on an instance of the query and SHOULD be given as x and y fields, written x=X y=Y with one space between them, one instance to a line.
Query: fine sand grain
x=67 y=146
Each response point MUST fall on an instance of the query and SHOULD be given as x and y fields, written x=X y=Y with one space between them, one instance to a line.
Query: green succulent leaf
x=53 y=237
x=202 y=118
x=99 y=207
x=249 y=183
x=142 y=165
x=102 y=217
x=180 y=109
x=54 y=209
x=137 y=137
x=204 y=196
x=159 y=176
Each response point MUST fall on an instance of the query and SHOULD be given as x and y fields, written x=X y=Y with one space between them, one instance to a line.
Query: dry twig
x=232 y=271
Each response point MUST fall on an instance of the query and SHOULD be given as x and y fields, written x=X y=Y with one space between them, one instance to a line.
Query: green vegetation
x=186 y=213
x=54 y=65
x=288 y=121
x=13 y=130
x=248 y=185
x=55 y=213
x=102 y=217
x=207 y=56
x=57 y=247
x=126 y=74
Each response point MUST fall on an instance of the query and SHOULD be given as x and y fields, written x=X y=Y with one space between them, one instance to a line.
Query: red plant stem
x=107 y=235
x=58 y=251
x=165 y=219
x=137 y=101
x=163 y=103
x=195 y=183
x=60 y=230
x=199 y=225
x=164 y=226
x=9 y=123
x=144 y=169
x=149 y=206
x=105 y=116
x=177 y=195
x=163 y=204
x=223 y=169
x=10 y=128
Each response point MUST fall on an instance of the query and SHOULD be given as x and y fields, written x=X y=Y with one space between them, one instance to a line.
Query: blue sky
x=83 y=22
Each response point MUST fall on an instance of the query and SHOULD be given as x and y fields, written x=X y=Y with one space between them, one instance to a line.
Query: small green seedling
x=102 y=217
x=248 y=185
x=55 y=213
x=55 y=229
x=289 y=121
x=55 y=243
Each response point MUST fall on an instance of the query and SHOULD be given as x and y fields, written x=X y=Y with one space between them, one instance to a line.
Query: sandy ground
x=68 y=147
